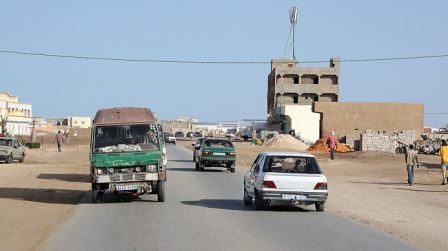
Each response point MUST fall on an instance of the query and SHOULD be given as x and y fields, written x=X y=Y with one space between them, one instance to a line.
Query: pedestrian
x=444 y=160
x=67 y=136
x=332 y=143
x=411 y=162
x=59 y=140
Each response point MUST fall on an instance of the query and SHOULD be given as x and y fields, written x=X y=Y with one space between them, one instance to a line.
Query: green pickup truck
x=127 y=153
x=215 y=152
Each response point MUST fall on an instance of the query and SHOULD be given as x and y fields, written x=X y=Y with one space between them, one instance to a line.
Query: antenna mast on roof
x=293 y=17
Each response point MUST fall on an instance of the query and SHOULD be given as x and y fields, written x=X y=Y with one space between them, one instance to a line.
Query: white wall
x=303 y=120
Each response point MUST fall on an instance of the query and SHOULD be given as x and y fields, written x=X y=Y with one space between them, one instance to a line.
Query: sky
x=231 y=30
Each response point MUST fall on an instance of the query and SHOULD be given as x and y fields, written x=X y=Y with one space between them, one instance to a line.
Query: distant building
x=289 y=84
x=19 y=115
x=79 y=122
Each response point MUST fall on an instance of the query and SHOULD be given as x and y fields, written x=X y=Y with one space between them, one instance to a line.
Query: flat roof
x=124 y=115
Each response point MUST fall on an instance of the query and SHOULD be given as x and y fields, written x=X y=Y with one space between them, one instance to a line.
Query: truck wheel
x=161 y=191
x=320 y=207
x=10 y=159
x=247 y=199
x=22 y=159
x=97 y=196
x=259 y=202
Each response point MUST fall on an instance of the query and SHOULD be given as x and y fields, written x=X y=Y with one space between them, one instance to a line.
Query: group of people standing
x=60 y=139
x=412 y=162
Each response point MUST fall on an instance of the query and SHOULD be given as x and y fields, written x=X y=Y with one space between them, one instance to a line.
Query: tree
x=3 y=121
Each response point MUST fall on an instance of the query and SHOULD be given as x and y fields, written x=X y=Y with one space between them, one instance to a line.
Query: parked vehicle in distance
x=179 y=135
x=128 y=153
x=197 y=134
x=285 y=178
x=196 y=146
x=215 y=152
x=11 y=149
x=169 y=138
x=190 y=135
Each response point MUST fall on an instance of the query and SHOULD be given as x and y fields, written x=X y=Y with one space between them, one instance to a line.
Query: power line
x=214 y=61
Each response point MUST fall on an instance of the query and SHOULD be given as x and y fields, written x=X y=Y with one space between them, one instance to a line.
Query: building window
x=296 y=80
x=296 y=100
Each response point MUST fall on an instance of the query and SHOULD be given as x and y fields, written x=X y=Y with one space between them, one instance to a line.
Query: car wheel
x=247 y=199
x=201 y=166
x=22 y=159
x=259 y=202
x=174 y=143
x=231 y=167
x=320 y=207
x=161 y=191
x=197 y=166
x=10 y=159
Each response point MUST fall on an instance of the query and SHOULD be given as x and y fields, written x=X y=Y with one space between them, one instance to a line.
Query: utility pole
x=293 y=17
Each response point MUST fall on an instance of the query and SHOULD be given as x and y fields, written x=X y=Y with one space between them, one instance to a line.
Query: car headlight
x=111 y=170
x=100 y=171
x=151 y=168
x=138 y=169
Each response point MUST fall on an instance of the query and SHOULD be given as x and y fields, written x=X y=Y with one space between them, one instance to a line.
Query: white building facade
x=19 y=115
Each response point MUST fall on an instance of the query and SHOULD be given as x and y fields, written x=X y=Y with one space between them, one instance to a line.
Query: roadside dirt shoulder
x=39 y=194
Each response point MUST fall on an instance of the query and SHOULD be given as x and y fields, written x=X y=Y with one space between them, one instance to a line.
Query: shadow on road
x=429 y=165
x=238 y=205
x=180 y=160
x=389 y=183
x=186 y=169
x=66 y=196
x=421 y=190
x=43 y=195
x=65 y=177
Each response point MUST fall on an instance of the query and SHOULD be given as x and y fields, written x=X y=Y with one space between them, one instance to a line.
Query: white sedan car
x=285 y=178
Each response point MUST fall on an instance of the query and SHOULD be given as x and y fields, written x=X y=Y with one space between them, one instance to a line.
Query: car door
x=253 y=174
x=15 y=149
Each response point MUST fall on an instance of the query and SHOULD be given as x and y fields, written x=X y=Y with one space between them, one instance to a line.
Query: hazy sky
x=250 y=30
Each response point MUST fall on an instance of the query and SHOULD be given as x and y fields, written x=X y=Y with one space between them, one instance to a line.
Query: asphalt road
x=205 y=211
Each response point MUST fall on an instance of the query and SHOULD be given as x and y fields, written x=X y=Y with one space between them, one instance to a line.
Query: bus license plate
x=126 y=187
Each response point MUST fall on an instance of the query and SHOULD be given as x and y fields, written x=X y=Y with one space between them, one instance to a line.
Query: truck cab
x=127 y=153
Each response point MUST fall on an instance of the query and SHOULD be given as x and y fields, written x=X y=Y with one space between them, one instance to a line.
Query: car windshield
x=5 y=142
x=126 y=138
x=291 y=164
x=218 y=143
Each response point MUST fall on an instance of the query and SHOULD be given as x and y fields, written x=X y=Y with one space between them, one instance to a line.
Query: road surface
x=205 y=211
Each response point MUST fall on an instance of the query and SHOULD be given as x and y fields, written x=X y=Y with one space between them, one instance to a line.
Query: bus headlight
x=151 y=168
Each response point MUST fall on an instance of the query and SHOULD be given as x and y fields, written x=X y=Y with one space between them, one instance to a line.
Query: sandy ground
x=37 y=196
x=372 y=188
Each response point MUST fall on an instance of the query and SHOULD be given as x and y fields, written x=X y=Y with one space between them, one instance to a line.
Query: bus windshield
x=126 y=138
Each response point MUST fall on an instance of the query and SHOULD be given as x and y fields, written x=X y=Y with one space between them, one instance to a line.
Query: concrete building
x=79 y=122
x=289 y=84
x=355 y=118
x=19 y=115
x=301 y=119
